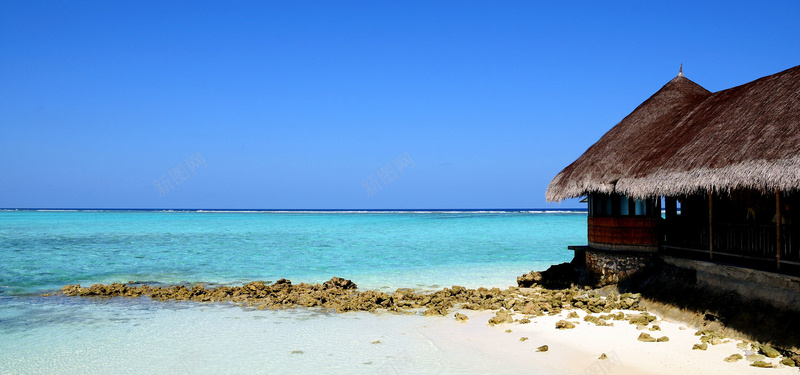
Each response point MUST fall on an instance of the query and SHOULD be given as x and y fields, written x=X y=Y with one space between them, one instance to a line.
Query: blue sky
x=325 y=105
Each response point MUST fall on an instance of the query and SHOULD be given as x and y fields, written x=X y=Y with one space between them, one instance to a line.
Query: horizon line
x=290 y=209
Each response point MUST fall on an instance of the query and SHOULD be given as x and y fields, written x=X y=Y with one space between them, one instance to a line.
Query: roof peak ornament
x=680 y=71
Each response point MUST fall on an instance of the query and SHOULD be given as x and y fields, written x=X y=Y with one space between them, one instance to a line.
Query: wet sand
x=487 y=330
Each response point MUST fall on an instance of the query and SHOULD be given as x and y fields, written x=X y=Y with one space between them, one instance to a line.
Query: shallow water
x=43 y=251
x=118 y=336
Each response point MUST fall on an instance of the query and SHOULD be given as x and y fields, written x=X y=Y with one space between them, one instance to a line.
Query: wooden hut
x=730 y=160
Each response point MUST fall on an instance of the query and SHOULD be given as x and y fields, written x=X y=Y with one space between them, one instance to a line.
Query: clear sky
x=344 y=104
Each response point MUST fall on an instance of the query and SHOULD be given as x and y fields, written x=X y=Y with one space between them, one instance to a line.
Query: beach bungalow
x=695 y=175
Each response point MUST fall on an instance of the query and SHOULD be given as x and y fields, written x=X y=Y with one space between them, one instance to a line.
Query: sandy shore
x=121 y=335
x=577 y=350
x=440 y=342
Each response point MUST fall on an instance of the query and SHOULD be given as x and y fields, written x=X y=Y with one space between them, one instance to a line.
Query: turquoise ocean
x=41 y=251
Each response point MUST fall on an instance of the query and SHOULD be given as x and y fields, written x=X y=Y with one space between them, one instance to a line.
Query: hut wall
x=624 y=233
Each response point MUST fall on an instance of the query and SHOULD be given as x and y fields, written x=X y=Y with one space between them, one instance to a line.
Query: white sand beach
x=577 y=350
x=143 y=336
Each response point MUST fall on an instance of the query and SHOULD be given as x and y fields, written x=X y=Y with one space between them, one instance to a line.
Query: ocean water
x=40 y=251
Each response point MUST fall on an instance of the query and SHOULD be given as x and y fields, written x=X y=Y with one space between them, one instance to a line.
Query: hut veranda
x=695 y=174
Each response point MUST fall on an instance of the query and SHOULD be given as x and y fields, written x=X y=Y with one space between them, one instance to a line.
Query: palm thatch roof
x=685 y=139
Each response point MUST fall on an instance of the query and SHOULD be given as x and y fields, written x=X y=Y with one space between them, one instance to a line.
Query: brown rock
x=642 y=319
x=743 y=345
x=733 y=358
x=755 y=357
x=531 y=308
x=761 y=364
x=71 y=290
x=529 y=279
x=645 y=337
x=501 y=317
x=434 y=311
x=769 y=351
x=563 y=324
x=543 y=348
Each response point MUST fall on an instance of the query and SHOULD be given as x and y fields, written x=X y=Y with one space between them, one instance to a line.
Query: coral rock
x=733 y=358
x=645 y=337
x=563 y=324
x=769 y=351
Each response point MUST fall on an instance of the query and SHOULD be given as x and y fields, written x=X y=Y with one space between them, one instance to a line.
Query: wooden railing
x=737 y=243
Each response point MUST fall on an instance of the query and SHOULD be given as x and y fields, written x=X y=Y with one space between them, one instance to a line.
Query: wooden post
x=778 y=220
x=710 y=225
x=671 y=215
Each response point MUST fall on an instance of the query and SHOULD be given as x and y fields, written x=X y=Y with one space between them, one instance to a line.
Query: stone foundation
x=606 y=267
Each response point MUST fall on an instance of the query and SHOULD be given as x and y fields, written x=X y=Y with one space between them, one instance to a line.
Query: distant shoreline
x=243 y=210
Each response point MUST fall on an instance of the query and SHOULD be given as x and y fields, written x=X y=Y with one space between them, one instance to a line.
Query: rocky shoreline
x=518 y=305
x=341 y=295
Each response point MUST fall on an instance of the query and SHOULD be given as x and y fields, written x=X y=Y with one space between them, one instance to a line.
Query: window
x=641 y=207
x=614 y=205
x=623 y=206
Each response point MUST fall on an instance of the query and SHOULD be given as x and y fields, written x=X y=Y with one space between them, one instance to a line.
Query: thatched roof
x=684 y=140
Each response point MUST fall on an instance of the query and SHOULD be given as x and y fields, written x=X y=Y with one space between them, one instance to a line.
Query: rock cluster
x=645 y=337
x=602 y=320
x=342 y=295
x=607 y=269
x=763 y=351
x=558 y=276
x=758 y=353
x=642 y=319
